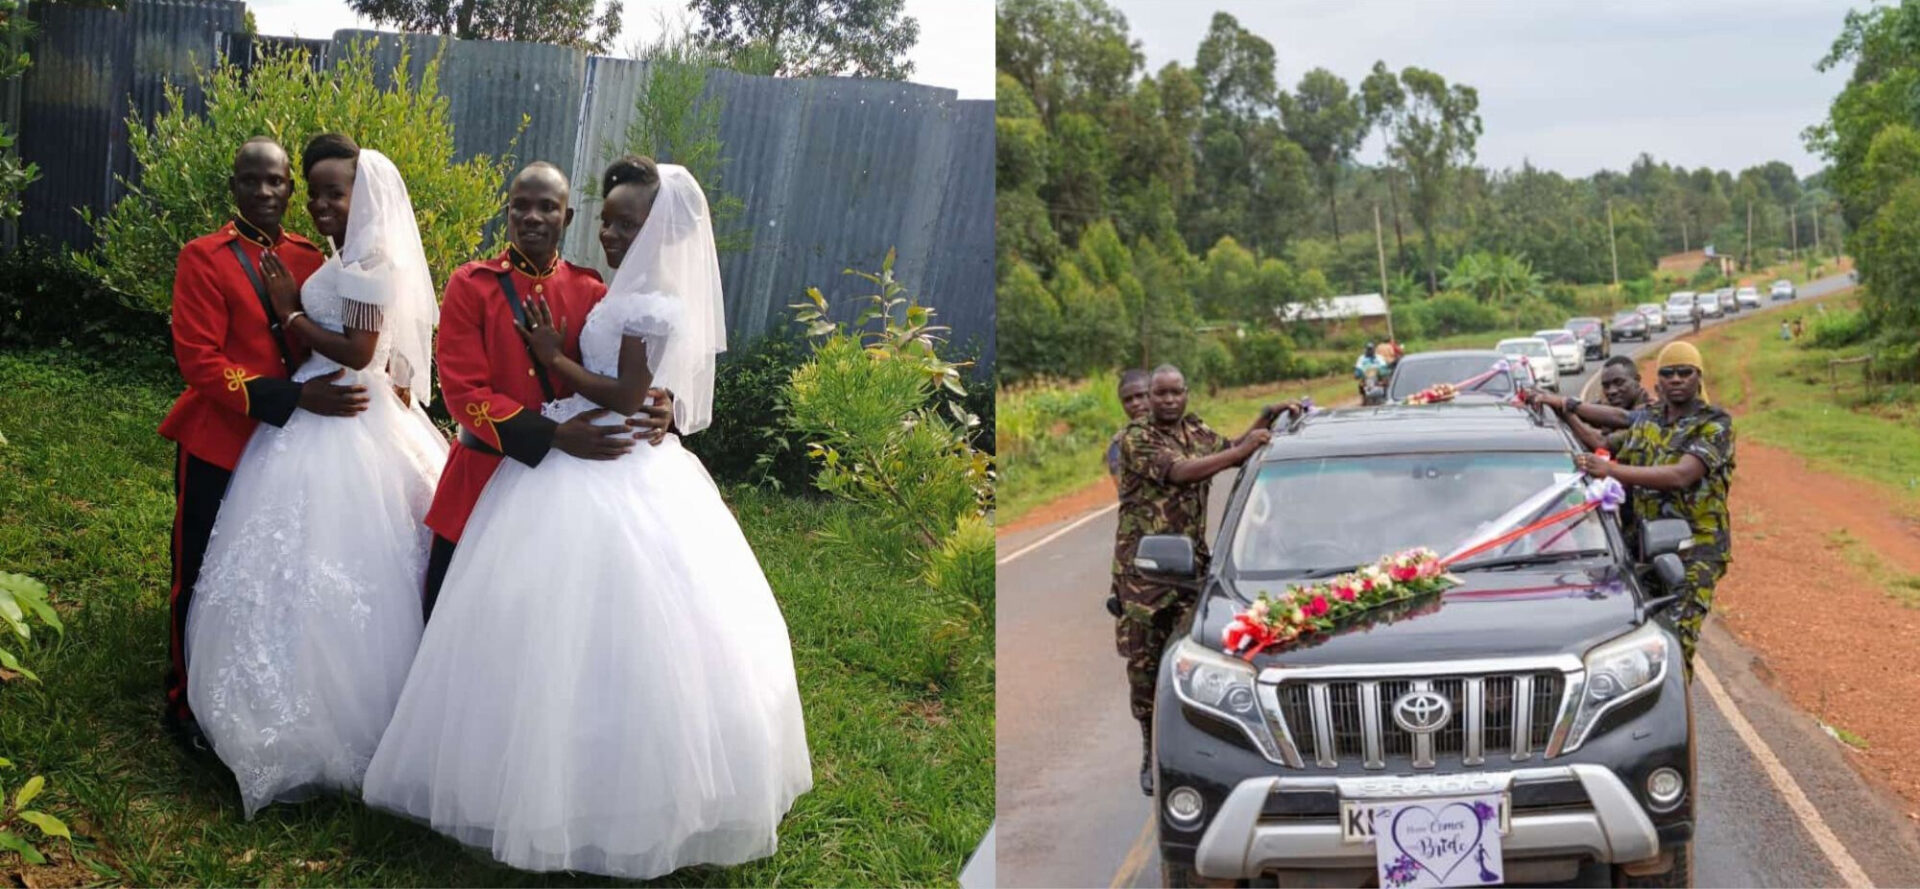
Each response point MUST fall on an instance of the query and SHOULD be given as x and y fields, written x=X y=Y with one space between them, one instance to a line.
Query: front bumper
x=1241 y=844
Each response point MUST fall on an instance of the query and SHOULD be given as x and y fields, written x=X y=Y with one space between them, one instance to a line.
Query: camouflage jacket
x=1149 y=503
x=1706 y=433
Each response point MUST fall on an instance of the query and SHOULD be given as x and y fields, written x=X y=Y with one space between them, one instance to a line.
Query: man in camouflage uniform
x=1677 y=463
x=1133 y=400
x=1168 y=459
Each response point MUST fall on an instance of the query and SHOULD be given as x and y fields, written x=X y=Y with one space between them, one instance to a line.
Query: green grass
x=1903 y=587
x=1052 y=437
x=899 y=716
x=1783 y=389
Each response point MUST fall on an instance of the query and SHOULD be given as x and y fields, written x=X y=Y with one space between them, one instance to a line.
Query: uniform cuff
x=526 y=436
x=272 y=400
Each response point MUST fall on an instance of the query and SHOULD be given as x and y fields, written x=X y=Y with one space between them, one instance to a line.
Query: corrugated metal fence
x=833 y=171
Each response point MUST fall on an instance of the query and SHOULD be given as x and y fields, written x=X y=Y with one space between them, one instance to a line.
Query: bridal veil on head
x=675 y=255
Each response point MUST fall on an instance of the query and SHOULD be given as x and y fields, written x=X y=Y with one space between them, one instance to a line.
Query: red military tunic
x=235 y=374
x=487 y=379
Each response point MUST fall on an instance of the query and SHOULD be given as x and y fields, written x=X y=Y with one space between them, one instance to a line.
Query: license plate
x=1357 y=817
x=1435 y=842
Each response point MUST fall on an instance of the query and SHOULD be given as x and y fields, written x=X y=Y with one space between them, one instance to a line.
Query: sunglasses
x=1679 y=372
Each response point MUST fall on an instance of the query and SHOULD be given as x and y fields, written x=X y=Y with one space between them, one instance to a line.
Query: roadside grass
x=1783 y=388
x=901 y=729
x=1052 y=436
x=1901 y=586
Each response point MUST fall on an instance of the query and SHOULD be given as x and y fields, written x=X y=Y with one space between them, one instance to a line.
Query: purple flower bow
x=1607 y=492
x=1306 y=404
x=1502 y=366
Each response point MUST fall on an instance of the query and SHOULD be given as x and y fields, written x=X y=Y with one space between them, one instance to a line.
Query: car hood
x=1552 y=609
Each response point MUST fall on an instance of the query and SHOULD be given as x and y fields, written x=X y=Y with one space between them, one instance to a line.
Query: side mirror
x=1664 y=537
x=1669 y=569
x=1167 y=555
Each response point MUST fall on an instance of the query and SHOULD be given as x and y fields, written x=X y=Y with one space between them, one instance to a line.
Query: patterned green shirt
x=1706 y=433
x=1149 y=503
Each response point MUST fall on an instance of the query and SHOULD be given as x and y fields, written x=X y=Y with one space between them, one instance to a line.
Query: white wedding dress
x=607 y=683
x=307 y=611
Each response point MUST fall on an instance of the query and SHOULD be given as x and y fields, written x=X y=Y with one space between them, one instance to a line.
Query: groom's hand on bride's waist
x=320 y=396
x=655 y=419
x=588 y=440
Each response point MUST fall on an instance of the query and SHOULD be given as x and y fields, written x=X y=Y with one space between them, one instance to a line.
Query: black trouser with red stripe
x=197 y=489
x=438 y=558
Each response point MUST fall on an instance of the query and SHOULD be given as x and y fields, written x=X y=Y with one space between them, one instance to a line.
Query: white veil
x=674 y=255
x=383 y=264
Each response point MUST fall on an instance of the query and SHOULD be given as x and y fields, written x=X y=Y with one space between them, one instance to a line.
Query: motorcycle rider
x=1369 y=361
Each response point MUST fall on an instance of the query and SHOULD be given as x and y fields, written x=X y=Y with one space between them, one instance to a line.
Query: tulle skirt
x=306 y=614
x=607 y=683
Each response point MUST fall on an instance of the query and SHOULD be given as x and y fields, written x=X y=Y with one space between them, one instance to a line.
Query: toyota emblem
x=1422 y=712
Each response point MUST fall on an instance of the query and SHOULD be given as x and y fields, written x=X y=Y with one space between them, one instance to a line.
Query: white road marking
x=1057 y=534
x=1843 y=864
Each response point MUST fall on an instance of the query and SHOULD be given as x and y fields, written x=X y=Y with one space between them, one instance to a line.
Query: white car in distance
x=1568 y=350
x=1680 y=308
x=1538 y=356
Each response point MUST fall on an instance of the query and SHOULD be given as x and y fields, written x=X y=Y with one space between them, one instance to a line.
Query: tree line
x=1137 y=209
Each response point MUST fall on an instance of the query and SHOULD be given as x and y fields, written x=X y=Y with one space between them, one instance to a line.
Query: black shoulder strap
x=266 y=305
x=520 y=318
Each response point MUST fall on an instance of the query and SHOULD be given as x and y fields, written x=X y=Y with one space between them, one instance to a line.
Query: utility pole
x=1686 y=243
x=1615 y=251
x=1816 y=235
x=1380 y=249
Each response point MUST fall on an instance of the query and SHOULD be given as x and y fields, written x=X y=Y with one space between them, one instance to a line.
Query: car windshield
x=1649 y=307
x=1557 y=337
x=1627 y=318
x=1529 y=348
x=1679 y=300
x=1414 y=375
x=1582 y=325
x=1330 y=514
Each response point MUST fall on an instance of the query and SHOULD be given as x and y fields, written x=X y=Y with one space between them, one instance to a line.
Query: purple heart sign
x=1439 y=843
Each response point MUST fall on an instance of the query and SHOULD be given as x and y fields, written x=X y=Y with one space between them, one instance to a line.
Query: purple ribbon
x=1607 y=492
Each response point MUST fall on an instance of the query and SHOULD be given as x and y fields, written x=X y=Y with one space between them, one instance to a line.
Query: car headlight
x=1223 y=687
x=1617 y=672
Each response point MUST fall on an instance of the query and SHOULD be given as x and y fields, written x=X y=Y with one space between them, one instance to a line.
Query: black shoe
x=187 y=734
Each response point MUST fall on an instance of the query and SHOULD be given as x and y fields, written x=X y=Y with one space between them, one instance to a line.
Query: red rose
x=1346 y=593
x=1404 y=573
x=1316 y=606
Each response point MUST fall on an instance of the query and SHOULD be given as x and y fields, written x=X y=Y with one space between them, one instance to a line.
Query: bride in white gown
x=307 y=611
x=607 y=683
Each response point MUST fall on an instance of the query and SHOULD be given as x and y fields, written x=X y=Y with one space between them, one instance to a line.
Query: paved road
x=1779 y=805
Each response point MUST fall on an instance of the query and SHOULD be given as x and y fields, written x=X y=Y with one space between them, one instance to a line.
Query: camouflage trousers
x=1151 y=613
x=1696 y=599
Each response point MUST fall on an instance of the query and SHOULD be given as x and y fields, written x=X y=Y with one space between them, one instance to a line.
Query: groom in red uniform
x=236 y=359
x=492 y=386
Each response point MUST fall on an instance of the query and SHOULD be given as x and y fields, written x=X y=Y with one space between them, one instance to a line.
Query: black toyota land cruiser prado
x=1548 y=681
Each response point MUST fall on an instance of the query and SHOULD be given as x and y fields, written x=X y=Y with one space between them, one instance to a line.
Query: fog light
x=1183 y=805
x=1664 y=787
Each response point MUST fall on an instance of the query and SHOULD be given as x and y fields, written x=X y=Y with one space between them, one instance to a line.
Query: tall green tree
x=15 y=176
x=584 y=24
x=1435 y=128
x=1064 y=51
x=1324 y=118
x=812 y=38
x=676 y=121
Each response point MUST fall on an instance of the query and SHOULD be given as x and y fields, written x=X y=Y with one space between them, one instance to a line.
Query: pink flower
x=1347 y=593
x=1403 y=573
x=1316 y=606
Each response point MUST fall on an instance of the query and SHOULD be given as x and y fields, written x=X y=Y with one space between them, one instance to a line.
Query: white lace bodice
x=322 y=298
x=650 y=316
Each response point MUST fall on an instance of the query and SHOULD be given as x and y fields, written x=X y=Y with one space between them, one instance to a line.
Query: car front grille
x=1502 y=717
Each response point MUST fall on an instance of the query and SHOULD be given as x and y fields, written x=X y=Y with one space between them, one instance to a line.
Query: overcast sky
x=955 y=49
x=1572 y=85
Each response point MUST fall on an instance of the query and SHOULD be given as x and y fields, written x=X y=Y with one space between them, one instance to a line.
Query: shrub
x=1834 y=330
x=1535 y=313
x=185 y=160
x=746 y=444
x=1262 y=356
x=1707 y=278
x=865 y=403
x=1450 y=313
x=47 y=301
x=23 y=599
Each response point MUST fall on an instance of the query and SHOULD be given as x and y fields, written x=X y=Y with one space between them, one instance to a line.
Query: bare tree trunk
x=1686 y=243
x=1333 y=211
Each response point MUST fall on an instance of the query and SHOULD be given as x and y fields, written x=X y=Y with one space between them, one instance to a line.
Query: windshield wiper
x=1529 y=559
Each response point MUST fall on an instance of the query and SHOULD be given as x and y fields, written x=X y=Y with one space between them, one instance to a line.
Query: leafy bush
x=865 y=403
x=48 y=301
x=14 y=175
x=1536 y=313
x=1450 y=313
x=746 y=442
x=1838 y=329
x=1707 y=278
x=1262 y=356
x=185 y=160
x=22 y=599
x=14 y=813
